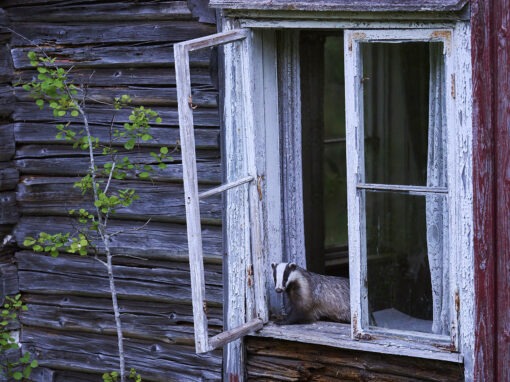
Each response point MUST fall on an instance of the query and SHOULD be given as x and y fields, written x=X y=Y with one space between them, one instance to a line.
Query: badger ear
x=273 y=265
x=292 y=265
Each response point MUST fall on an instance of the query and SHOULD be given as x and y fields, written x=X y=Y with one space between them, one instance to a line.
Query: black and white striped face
x=283 y=275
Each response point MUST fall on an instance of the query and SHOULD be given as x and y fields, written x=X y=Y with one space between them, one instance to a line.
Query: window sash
x=356 y=186
x=185 y=110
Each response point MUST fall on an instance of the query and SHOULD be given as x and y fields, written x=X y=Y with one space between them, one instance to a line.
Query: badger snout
x=279 y=290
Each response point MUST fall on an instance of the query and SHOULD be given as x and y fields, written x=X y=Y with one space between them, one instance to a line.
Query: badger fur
x=310 y=296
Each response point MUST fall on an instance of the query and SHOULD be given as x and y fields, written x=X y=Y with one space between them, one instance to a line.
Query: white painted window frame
x=356 y=184
x=246 y=198
x=271 y=146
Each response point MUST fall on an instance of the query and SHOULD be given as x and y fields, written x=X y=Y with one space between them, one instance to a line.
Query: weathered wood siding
x=116 y=47
x=276 y=360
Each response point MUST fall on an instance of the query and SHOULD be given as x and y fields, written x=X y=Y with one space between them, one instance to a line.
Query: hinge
x=453 y=90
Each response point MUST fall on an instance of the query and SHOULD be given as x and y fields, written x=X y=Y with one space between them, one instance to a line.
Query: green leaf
x=39 y=103
x=163 y=150
x=144 y=175
x=34 y=364
x=29 y=241
x=130 y=144
x=75 y=113
x=17 y=376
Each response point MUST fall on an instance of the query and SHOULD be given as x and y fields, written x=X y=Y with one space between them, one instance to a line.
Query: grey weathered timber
x=92 y=353
x=129 y=76
x=87 y=277
x=118 y=32
x=136 y=238
x=8 y=208
x=140 y=95
x=208 y=168
x=9 y=284
x=344 y=5
x=194 y=229
x=107 y=56
x=45 y=133
x=28 y=111
x=112 y=48
x=158 y=201
x=9 y=176
x=287 y=360
x=96 y=11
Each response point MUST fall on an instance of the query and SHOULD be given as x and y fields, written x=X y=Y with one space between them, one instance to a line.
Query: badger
x=310 y=296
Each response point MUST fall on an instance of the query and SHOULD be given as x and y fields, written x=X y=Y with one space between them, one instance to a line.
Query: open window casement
x=241 y=188
x=400 y=209
x=401 y=102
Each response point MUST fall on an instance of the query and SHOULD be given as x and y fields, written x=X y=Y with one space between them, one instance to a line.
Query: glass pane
x=335 y=185
x=406 y=250
x=397 y=81
x=323 y=151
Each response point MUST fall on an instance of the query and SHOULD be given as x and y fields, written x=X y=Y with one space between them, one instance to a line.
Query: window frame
x=357 y=185
x=235 y=187
x=280 y=214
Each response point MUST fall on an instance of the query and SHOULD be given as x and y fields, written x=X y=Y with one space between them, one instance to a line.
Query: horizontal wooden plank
x=172 y=313
x=155 y=360
x=157 y=201
x=7 y=143
x=283 y=361
x=30 y=112
x=154 y=241
x=7 y=244
x=8 y=208
x=6 y=70
x=143 y=326
x=9 y=176
x=139 y=156
x=109 y=56
x=343 y=5
x=85 y=276
x=45 y=133
x=9 y=281
x=339 y=336
x=116 y=77
x=209 y=170
x=6 y=100
x=45 y=33
x=145 y=96
x=78 y=10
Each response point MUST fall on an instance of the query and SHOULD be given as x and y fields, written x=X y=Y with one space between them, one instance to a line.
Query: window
x=356 y=147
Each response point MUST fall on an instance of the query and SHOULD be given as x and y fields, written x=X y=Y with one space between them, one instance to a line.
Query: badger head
x=283 y=274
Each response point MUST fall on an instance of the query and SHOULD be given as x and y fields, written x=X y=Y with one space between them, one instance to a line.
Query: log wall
x=276 y=360
x=114 y=48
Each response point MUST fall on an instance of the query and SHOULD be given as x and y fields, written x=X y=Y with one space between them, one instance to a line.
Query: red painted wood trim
x=501 y=69
x=491 y=148
x=484 y=193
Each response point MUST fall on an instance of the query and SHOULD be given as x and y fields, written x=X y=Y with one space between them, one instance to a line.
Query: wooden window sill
x=339 y=336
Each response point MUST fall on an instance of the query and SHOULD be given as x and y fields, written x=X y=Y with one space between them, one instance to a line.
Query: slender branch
x=130 y=229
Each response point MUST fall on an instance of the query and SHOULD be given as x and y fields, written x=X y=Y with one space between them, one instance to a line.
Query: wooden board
x=277 y=360
x=491 y=84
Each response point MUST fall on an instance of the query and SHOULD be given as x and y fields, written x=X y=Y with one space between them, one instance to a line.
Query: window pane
x=323 y=151
x=407 y=268
x=396 y=87
x=335 y=186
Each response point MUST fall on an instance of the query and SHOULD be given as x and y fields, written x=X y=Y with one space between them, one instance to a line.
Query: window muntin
x=264 y=49
x=397 y=160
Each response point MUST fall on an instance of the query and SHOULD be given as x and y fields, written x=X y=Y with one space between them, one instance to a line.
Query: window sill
x=339 y=336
